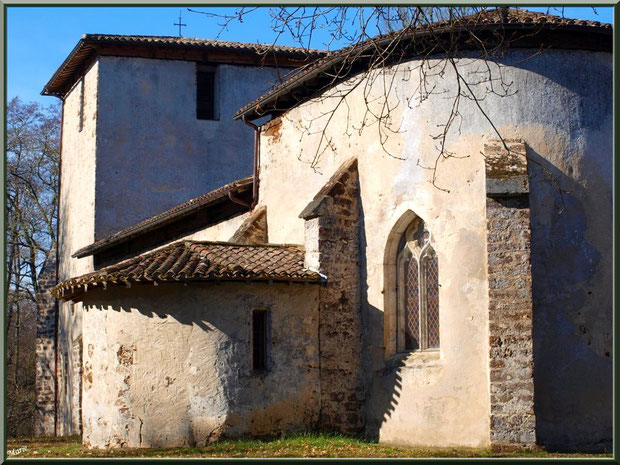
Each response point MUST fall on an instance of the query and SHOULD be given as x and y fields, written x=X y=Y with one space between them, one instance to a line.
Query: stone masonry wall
x=332 y=248
x=76 y=387
x=45 y=350
x=253 y=230
x=510 y=296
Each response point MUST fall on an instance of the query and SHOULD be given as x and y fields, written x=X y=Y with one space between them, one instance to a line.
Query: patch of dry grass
x=305 y=445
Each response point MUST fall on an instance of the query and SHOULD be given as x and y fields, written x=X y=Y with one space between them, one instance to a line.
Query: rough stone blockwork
x=45 y=349
x=253 y=230
x=510 y=296
x=332 y=248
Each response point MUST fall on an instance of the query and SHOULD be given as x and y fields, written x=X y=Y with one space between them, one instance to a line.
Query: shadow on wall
x=385 y=393
x=382 y=388
x=572 y=314
x=572 y=308
x=193 y=362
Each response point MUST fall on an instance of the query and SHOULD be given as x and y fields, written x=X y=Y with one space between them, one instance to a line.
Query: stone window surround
x=418 y=249
x=394 y=353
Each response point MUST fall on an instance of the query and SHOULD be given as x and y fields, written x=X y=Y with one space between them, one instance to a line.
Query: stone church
x=318 y=258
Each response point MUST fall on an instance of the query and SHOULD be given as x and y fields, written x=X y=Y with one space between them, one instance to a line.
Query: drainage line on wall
x=256 y=155
x=235 y=199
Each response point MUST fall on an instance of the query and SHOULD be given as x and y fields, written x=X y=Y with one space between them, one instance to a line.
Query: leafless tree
x=370 y=40
x=32 y=156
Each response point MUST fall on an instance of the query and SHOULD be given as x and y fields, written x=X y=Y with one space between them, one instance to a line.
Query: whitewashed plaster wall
x=565 y=119
x=87 y=157
x=153 y=153
x=170 y=365
x=218 y=232
x=77 y=182
x=76 y=230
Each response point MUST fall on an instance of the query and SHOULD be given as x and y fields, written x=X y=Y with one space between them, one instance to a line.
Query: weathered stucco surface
x=153 y=152
x=440 y=403
x=182 y=351
x=218 y=232
x=171 y=365
x=77 y=182
x=132 y=126
x=564 y=119
x=69 y=368
x=76 y=230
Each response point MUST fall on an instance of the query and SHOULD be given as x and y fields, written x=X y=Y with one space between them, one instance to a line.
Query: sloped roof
x=174 y=214
x=325 y=72
x=187 y=261
x=91 y=45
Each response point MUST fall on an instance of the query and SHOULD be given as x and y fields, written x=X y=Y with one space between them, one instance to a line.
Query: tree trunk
x=17 y=328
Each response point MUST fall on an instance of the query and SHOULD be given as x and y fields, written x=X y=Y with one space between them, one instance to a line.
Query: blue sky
x=40 y=38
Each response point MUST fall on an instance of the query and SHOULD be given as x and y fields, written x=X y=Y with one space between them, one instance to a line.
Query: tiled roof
x=491 y=19
x=204 y=43
x=92 y=44
x=199 y=261
x=175 y=213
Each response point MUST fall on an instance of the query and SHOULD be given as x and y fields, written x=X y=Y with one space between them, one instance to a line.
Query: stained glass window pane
x=431 y=271
x=412 y=304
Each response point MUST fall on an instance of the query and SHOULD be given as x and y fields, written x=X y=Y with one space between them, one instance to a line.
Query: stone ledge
x=506 y=187
x=506 y=170
x=416 y=359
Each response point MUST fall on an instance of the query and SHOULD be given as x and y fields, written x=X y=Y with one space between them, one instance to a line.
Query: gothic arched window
x=418 y=290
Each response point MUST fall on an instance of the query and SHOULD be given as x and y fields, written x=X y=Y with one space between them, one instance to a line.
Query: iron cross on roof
x=180 y=24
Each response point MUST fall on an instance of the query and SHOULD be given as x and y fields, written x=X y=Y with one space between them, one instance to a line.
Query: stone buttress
x=512 y=419
x=332 y=243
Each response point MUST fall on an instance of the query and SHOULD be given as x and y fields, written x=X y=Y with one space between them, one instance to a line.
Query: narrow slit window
x=259 y=340
x=81 y=109
x=205 y=92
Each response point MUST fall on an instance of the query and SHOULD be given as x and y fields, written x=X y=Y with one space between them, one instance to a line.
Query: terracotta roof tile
x=484 y=19
x=200 y=261
x=203 y=43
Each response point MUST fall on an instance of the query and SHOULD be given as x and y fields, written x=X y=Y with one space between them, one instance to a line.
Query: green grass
x=305 y=445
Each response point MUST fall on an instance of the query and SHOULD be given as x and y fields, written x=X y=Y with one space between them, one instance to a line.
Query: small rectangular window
x=260 y=338
x=205 y=92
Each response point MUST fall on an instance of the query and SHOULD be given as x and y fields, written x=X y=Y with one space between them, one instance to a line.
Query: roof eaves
x=264 y=104
x=56 y=86
x=161 y=219
x=200 y=261
x=49 y=87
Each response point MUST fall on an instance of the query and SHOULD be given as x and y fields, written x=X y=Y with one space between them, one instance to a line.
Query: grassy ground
x=310 y=445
